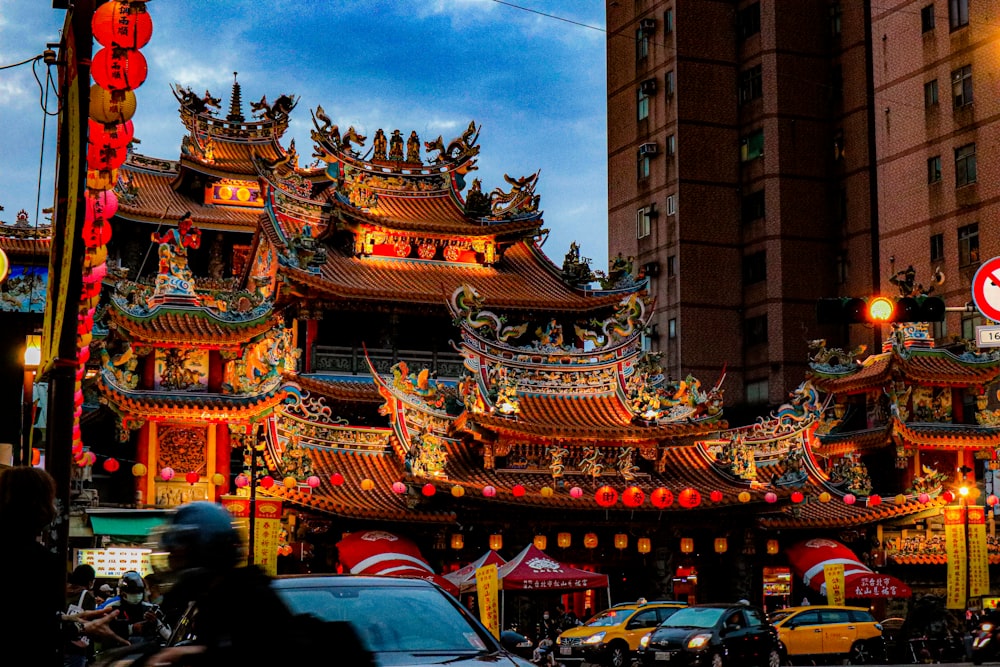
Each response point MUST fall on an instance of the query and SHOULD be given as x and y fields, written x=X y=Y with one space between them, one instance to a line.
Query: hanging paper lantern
x=541 y=542
x=590 y=540
x=924 y=497
x=105 y=158
x=116 y=135
x=621 y=540
x=111 y=465
x=687 y=545
x=992 y=500
x=267 y=481
x=398 y=487
x=218 y=479
x=850 y=499
x=518 y=491
x=874 y=500
x=457 y=491
x=496 y=541
x=84 y=460
x=192 y=477
x=715 y=496
x=336 y=479
x=102 y=180
x=139 y=470
x=900 y=499
x=797 y=496
x=290 y=482
x=606 y=496
x=771 y=497
x=947 y=496
x=457 y=541
x=116 y=68
x=576 y=492
x=546 y=492
x=489 y=491
x=772 y=547
x=313 y=481
x=644 y=546
x=124 y=24
x=661 y=498
x=688 y=498
x=428 y=490
x=721 y=545
x=242 y=481
x=564 y=539
x=167 y=474
x=96 y=233
x=367 y=485
x=100 y=204
x=111 y=106
x=743 y=497
x=633 y=496
x=824 y=497
x=36 y=456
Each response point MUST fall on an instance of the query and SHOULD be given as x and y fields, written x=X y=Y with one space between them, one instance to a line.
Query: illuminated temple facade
x=390 y=335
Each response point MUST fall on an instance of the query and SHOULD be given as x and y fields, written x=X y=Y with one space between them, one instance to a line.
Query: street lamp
x=31 y=359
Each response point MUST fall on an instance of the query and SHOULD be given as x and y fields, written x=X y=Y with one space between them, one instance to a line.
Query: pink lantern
x=100 y=204
x=924 y=498
x=489 y=491
x=850 y=499
x=242 y=481
x=576 y=492
x=518 y=491
x=399 y=487
x=336 y=479
x=428 y=490
x=167 y=474
x=992 y=500
x=771 y=497
x=313 y=481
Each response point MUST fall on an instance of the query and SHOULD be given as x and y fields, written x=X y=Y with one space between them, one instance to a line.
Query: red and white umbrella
x=377 y=552
x=808 y=559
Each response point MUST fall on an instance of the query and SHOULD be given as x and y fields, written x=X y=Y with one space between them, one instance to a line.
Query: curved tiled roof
x=158 y=404
x=233 y=158
x=344 y=390
x=838 y=514
x=855 y=441
x=947 y=436
x=13 y=246
x=176 y=325
x=931 y=367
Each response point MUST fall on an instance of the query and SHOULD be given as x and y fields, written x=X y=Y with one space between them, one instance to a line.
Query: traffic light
x=880 y=310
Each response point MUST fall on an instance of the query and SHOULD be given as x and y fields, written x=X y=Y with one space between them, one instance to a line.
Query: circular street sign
x=986 y=289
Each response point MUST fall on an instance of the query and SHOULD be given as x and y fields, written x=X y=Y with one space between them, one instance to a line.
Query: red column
x=214 y=371
x=149 y=370
x=142 y=456
x=312 y=329
x=222 y=452
x=957 y=406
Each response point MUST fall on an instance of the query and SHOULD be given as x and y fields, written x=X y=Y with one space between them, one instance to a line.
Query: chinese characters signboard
x=833 y=575
x=954 y=542
x=487 y=583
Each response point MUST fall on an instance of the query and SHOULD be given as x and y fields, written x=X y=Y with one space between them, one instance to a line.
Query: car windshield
x=392 y=619
x=609 y=617
x=694 y=617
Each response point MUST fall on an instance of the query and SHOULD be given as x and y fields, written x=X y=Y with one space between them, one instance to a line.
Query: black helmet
x=131 y=582
x=201 y=535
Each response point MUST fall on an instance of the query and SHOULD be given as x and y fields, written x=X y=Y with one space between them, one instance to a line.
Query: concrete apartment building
x=739 y=136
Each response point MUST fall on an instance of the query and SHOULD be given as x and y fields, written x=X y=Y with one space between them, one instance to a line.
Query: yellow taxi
x=825 y=630
x=612 y=637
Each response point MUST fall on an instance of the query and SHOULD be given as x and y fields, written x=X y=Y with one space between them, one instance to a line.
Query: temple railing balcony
x=351 y=361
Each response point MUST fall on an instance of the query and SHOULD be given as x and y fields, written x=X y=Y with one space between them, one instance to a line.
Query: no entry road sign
x=986 y=289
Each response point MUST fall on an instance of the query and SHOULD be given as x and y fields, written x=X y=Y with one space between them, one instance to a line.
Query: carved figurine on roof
x=191 y=102
x=279 y=110
x=174 y=275
x=576 y=270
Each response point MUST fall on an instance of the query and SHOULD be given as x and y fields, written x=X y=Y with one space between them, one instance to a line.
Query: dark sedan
x=713 y=635
x=403 y=622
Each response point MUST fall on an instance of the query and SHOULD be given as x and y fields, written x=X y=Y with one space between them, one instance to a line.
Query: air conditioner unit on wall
x=648 y=87
x=651 y=269
x=648 y=149
x=648 y=25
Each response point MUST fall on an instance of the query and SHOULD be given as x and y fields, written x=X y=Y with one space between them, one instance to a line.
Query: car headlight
x=699 y=641
x=595 y=638
x=644 y=642
x=986 y=627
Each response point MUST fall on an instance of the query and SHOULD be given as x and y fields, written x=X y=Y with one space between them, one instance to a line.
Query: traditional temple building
x=390 y=337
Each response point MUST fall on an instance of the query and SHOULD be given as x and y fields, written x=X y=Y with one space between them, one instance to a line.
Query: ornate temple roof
x=21 y=239
x=837 y=514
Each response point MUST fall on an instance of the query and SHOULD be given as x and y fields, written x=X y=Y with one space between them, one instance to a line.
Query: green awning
x=133 y=525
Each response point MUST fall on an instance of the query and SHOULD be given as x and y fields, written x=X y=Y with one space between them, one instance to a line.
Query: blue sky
x=536 y=84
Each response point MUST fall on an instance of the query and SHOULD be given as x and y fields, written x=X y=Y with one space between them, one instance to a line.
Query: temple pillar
x=142 y=456
x=957 y=406
x=152 y=468
x=312 y=329
x=215 y=370
x=223 y=452
x=149 y=370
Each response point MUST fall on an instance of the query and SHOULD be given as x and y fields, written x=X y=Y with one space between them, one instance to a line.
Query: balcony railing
x=351 y=360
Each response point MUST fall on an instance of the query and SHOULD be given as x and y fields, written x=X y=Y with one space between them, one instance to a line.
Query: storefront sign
x=113 y=563
x=487 y=585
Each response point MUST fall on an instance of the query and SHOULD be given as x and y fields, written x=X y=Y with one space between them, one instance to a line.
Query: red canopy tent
x=465 y=576
x=381 y=553
x=809 y=557
x=532 y=570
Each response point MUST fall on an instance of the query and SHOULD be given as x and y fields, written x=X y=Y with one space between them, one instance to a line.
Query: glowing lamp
x=606 y=496
x=715 y=496
x=590 y=540
x=36 y=456
x=797 y=496
x=576 y=492
x=880 y=309
x=290 y=482
x=111 y=465
x=963 y=491
x=457 y=491
x=924 y=497
x=367 y=485
x=643 y=545
x=687 y=545
x=688 y=498
x=850 y=499
x=518 y=491
x=428 y=490
x=772 y=547
x=218 y=479
x=721 y=545
x=661 y=498
x=267 y=481
x=771 y=497
x=457 y=541
x=313 y=481
x=564 y=540
x=336 y=479
x=633 y=496
x=489 y=491
x=398 y=487
x=824 y=497
x=992 y=500
x=139 y=470
x=743 y=497
x=546 y=492
x=540 y=542
x=167 y=474
x=496 y=541
x=242 y=481
x=32 y=351
x=621 y=540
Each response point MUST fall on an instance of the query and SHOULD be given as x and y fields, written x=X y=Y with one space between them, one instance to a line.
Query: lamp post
x=32 y=357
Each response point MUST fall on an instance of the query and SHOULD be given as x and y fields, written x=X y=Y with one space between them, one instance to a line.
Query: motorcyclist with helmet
x=139 y=621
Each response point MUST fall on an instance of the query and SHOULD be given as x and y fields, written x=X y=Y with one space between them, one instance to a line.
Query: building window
x=671 y=205
x=961 y=86
x=671 y=266
x=641 y=44
x=958 y=13
x=835 y=16
x=668 y=20
x=643 y=222
x=672 y=328
x=930 y=94
x=671 y=144
x=757 y=392
x=927 y=18
x=751 y=84
x=968 y=245
x=937 y=247
x=755 y=268
x=752 y=146
x=934 y=169
x=643 y=166
x=668 y=83
x=939 y=329
x=965 y=165
x=752 y=206
x=643 y=106
x=969 y=324
x=748 y=21
x=756 y=330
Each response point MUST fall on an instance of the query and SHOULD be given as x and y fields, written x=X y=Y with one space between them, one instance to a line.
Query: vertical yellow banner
x=266 y=531
x=979 y=569
x=954 y=542
x=487 y=590
x=833 y=576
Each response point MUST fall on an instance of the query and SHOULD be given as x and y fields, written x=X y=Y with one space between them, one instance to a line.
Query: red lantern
x=874 y=500
x=606 y=496
x=125 y=24
x=633 y=496
x=797 y=497
x=336 y=479
x=105 y=158
x=428 y=490
x=992 y=500
x=191 y=478
x=661 y=498
x=689 y=498
x=948 y=496
x=115 y=68
x=267 y=481
x=518 y=491
x=715 y=496
x=118 y=135
x=96 y=233
x=111 y=465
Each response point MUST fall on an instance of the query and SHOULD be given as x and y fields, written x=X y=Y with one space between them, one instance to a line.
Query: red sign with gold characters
x=954 y=542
